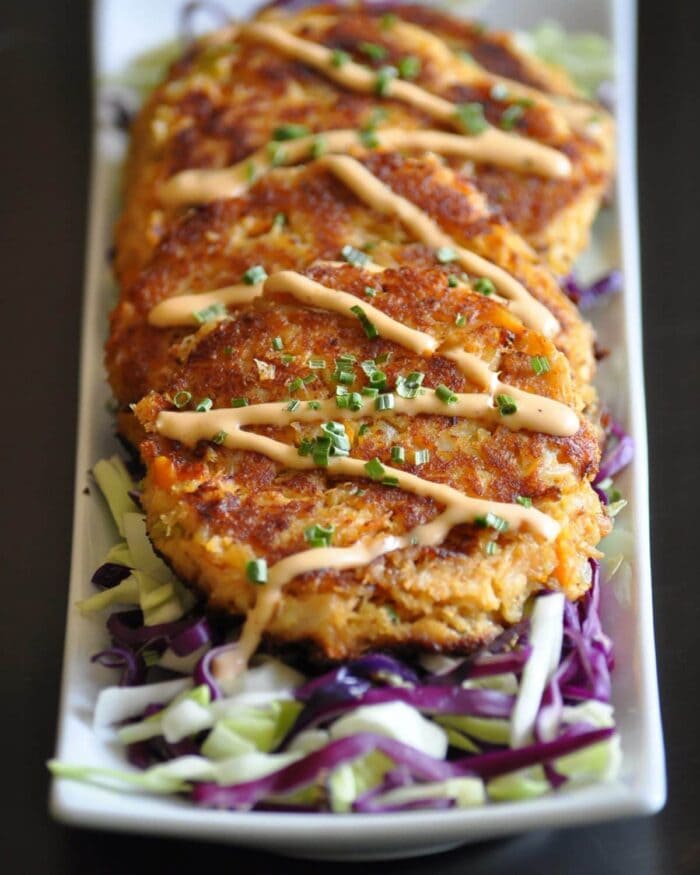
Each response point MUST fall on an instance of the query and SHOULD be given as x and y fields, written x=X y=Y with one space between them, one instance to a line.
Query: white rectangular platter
x=126 y=28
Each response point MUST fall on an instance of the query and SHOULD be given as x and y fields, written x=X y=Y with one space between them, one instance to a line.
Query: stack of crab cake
x=356 y=217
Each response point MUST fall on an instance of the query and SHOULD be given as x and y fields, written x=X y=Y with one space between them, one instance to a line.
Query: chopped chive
x=385 y=76
x=256 y=571
x=363 y=429
x=511 y=116
x=370 y=291
x=444 y=393
x=383 y=358
x=377 y=380
x=390 y=481
x=309 y=378
x=369 y=326
x=372 y=50
x=239 y=402
x=346 y=378
x=250 y=172
x=277 y=154
x=279 y=221
x=388 y=20
x=305 y=447
x=461 y=320
x=355 y=257
x=490 y=548
x=370 y=391
x=375 y=470
x=506 y=404
x=182 y=399
x=523 y=500
x=339 y=57
x=385 y=401
x=491 y=521
x=409 y=67
x=452 y=281
x=220 y=437
x=369 y=138
x=319 y=536
x=318 y=147
x=407 y=387
x=398 y=454
x=540 y=364
x=471 y=117
x=255 y=274
x=203 y=405
x=342 y=401
x=321 y=451
x=420 y=457
x=484 y=285
x=228 y=350
x=290 y=132
x=287 y=358
x=354 y=401
x=346 y=358
x=277 y=343
x=314 y=405
x=445 y=254
x=293 y=405
x=294 y=385
x=317 y=364
x=210 y=313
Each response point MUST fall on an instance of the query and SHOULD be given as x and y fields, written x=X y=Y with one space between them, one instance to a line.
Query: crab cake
x=211 y=510
x=295 y=216
x=237 y=91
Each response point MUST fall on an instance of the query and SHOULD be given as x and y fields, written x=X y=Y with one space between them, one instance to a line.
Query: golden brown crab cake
x=295 y=216
x=230 y=93
x=211 y=509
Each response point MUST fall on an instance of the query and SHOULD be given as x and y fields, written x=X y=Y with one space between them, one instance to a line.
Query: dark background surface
x=44 y=158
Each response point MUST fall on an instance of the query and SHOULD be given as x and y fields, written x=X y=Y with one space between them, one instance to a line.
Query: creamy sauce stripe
x=380 y=197
x=201 y=186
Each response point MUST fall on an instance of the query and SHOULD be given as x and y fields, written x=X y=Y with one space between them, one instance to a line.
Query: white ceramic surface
x=123 y=29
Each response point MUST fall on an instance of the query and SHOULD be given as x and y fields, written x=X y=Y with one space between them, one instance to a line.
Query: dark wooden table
x=44 y=152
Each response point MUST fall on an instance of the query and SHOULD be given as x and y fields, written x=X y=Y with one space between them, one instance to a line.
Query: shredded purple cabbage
x=132 y=664
x=585 y=296
x=109 y=574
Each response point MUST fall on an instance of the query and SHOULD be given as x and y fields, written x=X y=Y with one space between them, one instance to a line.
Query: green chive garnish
x=408 y=387
x=355 y=257
x=369 y=138
x=540 y=364
x=445 y=394
x=256 y=571
x=314 y=405
x=523 y=500
x=203 y=405
x=339 y=57
x=385 y=401
x=318 y=147
x=290 y=132
x=506 y=404
x=279 y=221
x=182 y=399
x=220 y=437
x=420 y=457
x=490 y=548
x=511 y=116
x=277 y=154
x=319 y=536
x=277 y=343
x=491 y=521
x=445 y=254
x=317 y=364
x=355 y=401
x=293 y=405
x=370 y=391
x=385 y=76
x=210 y=313
x=372 y=50
x=409 y=67
x=461 y=320
x=452 y=281
x=484 y=285
x=287 y=358
x=254 y=275
x=370 y=291
x=375 y=470
x=369 y=326
x=471 y=117
x=250 y=172
x=363 y=429
x=239 y=402
x=398 y=454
